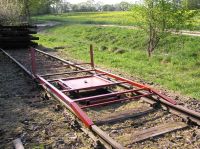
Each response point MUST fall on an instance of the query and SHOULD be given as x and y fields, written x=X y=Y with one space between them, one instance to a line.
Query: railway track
x=119 y=111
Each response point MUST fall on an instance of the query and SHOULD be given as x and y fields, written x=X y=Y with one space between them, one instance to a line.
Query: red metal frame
x=107 y=99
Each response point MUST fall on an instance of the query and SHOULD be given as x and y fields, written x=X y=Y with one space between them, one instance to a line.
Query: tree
x=11 y=12
x=158 y=17
x=124 y=6
x=194 y=4
x=108 y=7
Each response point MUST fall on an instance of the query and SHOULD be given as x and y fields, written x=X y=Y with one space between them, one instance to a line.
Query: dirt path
x=49 y=24
x=26 y=114
x=181 y=32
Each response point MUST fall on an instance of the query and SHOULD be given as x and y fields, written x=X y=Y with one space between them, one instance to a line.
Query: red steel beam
x=138 y=85
x=76 y=109
x=80 y=64
x=108 y=95
x=73 y=78
x=56 y=74
x=115 y=101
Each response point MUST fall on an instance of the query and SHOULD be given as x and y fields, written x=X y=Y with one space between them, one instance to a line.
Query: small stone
x=114 y=131
x=25 y=122
x=187 y=140
x=58 y=108
x=129 y=146
x=179 y=137
x=60 y=141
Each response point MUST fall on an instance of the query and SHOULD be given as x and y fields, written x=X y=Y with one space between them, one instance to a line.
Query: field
x=117 y=18
x=175 y=65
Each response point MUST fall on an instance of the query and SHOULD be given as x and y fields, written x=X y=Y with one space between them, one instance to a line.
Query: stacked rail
x=17 y=36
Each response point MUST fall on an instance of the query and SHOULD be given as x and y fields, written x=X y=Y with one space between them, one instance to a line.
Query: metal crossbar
x=55 y=74
x=108 y=95
x=116 y=101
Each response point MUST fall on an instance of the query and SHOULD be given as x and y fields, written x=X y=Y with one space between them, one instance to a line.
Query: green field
x=117 y=18
x=175 y=65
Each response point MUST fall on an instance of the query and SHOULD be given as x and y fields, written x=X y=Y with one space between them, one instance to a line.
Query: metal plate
x=85 y=83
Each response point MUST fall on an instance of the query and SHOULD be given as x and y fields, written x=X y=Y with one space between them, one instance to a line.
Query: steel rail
x=164 y=100
x=190 y=116
x=59 y=59
x=178 y=110
x=71 y=105
x=18 y=63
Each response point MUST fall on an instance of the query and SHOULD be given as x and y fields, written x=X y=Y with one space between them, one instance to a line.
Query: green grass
x=174 y=65
x=120 y=18
x=117 y=18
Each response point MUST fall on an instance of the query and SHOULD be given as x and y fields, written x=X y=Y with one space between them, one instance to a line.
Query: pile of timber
x=17 y=36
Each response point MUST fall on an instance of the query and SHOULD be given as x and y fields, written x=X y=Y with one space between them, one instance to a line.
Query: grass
x=116 y=18
x=120 y=18
x=175 y=64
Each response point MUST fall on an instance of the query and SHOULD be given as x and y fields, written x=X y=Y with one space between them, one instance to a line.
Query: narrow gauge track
x=104 y=101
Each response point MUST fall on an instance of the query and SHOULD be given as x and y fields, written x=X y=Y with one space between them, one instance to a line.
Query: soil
x=25 y=113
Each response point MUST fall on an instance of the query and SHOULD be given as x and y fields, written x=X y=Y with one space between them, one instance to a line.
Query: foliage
x=159 y=17
x=14 y=12
x=194 y=4
x=90 y=6
x=41 y=6
x=11 y=12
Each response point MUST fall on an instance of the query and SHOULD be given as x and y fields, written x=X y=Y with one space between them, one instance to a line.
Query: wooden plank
x=154 y=132
x=18 y=144
x=17 y=33
x=18 y=38
x=107 y=138
x=115 y=117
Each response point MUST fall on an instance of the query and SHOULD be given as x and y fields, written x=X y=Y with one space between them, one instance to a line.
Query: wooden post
x=92 y=56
